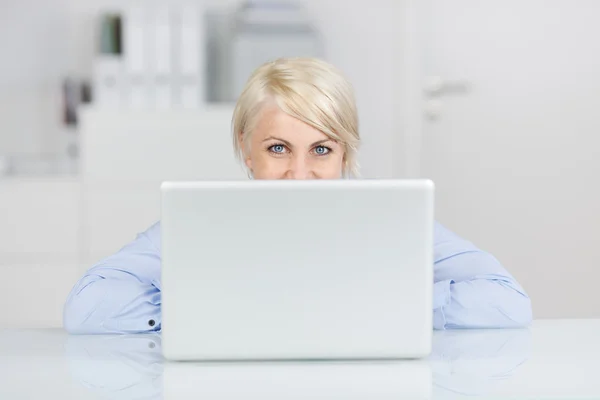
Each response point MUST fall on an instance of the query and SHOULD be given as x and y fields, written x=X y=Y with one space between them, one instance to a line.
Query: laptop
x=297 y=270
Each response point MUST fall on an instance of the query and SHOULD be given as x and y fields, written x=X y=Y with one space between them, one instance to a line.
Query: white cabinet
x=52 y=230
x=39 y=249
x=114 y=215
x=126 y=155
x=133 y=147
x=39 y=216
x=35 y=293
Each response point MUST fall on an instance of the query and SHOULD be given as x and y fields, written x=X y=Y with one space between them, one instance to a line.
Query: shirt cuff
x=441 y=298
x=441 y=293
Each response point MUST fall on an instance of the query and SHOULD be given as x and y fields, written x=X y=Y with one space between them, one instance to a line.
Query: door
x=509 y=129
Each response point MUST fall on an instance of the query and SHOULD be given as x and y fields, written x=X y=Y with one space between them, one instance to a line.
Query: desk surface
x=552 y=359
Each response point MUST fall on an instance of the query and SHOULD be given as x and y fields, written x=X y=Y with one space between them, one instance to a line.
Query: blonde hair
x=307 y=89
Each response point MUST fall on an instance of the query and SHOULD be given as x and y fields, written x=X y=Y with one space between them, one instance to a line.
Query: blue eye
x=278 y=148
x=322 y=150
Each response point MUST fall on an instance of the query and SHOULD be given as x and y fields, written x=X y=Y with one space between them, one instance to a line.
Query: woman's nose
x=299 y=169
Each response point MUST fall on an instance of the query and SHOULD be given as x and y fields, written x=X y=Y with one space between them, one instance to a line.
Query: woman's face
x=282 y=147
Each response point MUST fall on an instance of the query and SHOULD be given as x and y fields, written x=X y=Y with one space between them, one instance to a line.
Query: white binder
x=190 y=37
x=162 y=37
x=135 y=46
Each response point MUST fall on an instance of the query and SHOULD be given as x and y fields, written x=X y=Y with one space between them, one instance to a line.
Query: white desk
x=553 y=359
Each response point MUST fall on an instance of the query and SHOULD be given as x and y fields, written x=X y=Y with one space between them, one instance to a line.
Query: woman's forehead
x=274 y=123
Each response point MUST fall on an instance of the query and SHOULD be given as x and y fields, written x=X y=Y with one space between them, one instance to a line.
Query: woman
x=295 y=119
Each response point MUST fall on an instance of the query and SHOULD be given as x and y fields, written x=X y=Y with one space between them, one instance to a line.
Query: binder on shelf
x=158 y=61
x=163 y=93
x=190 y=94
x=107 y=69
x=136 y=50
x=162 y=56
x=133 y=46
x=107 y=78
x=190 y=37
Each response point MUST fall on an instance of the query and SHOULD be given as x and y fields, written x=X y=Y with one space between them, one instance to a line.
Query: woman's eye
x=278 y=148
x=321 y=150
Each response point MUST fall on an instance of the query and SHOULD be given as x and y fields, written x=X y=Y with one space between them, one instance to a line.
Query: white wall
x=32 y=44
x=515 y=158
x=39 y=238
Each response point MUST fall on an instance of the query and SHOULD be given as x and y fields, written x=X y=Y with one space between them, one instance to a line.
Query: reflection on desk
x=463 y=362
x=132 y=367
x=552 y=359
x=117 y=367
x=477 y=362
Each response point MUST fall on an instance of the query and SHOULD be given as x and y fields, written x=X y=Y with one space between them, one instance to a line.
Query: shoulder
x=446 y=241
x=443 y=234
x=152 y=234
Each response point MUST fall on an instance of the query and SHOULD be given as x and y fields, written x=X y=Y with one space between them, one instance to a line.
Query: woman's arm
x=471 y=288
x=120 y=294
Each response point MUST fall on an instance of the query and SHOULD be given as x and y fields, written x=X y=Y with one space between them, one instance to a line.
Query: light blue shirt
x=122 y=293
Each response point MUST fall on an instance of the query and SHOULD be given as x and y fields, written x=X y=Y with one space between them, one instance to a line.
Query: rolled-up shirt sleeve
x=472 y=289
x=120 y=294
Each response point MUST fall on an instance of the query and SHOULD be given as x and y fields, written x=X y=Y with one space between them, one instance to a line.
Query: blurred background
x=496 y=101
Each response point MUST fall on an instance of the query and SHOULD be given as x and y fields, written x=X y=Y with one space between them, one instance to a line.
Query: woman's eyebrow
x=280 y=139
x=321 y=142
x=290 y=145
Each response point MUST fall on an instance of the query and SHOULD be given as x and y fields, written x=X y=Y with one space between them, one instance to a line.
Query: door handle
x=437 y=86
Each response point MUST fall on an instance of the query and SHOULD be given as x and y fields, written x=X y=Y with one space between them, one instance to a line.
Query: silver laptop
x=319 y=269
